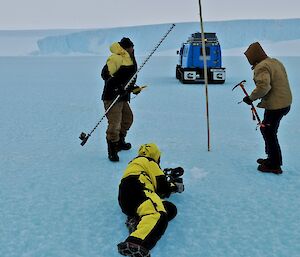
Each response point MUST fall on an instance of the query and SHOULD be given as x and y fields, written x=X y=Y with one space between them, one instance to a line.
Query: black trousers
x=153 y=222
x=271 y=121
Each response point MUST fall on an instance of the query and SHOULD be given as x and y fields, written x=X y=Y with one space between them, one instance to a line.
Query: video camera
x=174 y=177
x=174 y=174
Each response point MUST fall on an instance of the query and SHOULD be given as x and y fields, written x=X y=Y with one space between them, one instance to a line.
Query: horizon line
x=141 y=25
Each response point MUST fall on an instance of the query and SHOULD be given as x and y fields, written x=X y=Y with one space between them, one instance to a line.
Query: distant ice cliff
x=232 y=34
x=234 y=37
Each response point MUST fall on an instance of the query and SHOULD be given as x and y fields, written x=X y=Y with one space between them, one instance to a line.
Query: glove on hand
x=247 y=100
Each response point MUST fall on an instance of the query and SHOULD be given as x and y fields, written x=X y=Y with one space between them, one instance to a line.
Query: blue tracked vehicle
x=191 y=65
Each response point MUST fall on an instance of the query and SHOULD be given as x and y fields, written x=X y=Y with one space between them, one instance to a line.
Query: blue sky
x=37 y=14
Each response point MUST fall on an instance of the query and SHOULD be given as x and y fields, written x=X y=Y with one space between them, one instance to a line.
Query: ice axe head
x=84 y=137
x=239 y=84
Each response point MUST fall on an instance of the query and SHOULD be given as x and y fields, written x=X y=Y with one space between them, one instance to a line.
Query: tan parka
x=271 y=80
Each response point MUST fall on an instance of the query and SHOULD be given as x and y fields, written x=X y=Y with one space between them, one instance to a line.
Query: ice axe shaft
x=241 y=85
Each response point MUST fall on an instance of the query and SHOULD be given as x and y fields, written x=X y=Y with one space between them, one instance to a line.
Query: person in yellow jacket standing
x=119 y=69
x=272 y=87
x=142 y=188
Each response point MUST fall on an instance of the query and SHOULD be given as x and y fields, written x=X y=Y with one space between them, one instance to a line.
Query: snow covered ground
x=59 y=199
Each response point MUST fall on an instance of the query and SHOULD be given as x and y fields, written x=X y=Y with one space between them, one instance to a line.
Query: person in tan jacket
x=272 y=87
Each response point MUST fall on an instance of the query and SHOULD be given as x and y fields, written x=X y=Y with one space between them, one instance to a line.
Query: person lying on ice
x=142 y=188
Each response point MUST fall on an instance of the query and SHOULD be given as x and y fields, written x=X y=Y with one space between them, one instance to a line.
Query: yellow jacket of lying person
x=141 y=190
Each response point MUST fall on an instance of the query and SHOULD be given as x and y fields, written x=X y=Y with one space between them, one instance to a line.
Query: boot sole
x=277 y=172
x=131 y=249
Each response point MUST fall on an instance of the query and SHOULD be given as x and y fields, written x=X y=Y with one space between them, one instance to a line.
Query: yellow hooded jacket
x=144 y=181
x=120 y=57
x=147 y=168
x=119 y=69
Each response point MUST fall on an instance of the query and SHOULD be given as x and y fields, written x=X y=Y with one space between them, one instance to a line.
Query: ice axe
x=253 y=110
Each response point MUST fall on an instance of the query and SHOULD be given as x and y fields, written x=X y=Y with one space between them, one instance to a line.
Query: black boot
x=262 y=161
x=112 y=151
x=133 y=250
x=276 y=169
x=122 y=144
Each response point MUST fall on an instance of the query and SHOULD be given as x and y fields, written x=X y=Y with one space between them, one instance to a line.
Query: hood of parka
x=255 y=54
x=115 y=48
x=118 y=58
x=150 y=151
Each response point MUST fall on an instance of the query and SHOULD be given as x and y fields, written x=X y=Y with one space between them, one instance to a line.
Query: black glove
x=247 y=100
x=121 y=90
